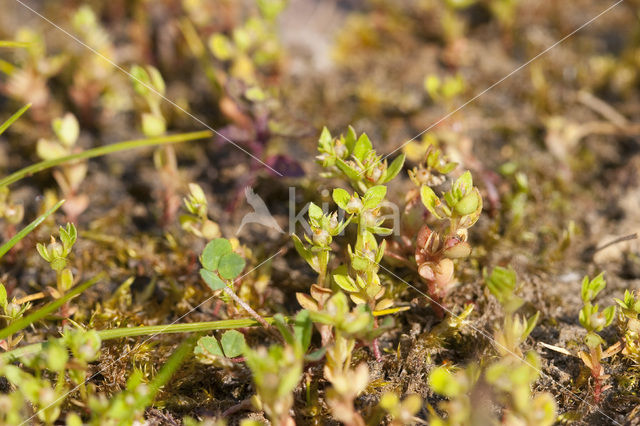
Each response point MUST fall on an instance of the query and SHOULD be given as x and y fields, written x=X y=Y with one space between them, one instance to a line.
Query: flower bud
x=340 y=150
x=369 y=218
x=354 y=205
x=321 y=237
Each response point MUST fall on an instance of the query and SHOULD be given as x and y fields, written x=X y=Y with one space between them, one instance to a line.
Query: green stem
x=102 y=150
x=26 y=230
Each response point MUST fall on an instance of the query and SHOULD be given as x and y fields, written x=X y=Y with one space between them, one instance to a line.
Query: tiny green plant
x=276 y=373
x=197 y=220
x=70 y=175
x=509 y=378
x=629 y=324
x=456 y=210
x=594 y=321
x=354 y=159
x=220 y=267
x=11 y=311
x=515 y=328
x=57 y=254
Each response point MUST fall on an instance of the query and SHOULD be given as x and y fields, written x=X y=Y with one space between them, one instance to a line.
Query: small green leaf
x=213 y=251
x=209 y=345
x=362 y=147
x=394 y=168
x=305 y=253
x=464 y=183
x=430 y=200
x=303 y=329
x=609 y=314
x=350 y=139
x=443 y=382
x=350 y=172
x=345 y=282
x=233 y=343
x=3 y=297
x=341 y=198
x=231 y=265
x=374 y=196
x=315 y=212
x=212 y=279
x=325 y=139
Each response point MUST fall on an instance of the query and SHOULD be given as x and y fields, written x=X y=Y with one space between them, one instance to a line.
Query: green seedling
x=354 y=160
x=515 y=328
x=220 y=266
x=57 y=254
x=509 y=380
x=150 y=85
x=629 y=325
x=276 y=373
x=456 y=385
x=71 y=174
x=10 y=312
x=457 y=210
x=594 y=321
x=197 y=221
x=348 y=326
x=512 y=379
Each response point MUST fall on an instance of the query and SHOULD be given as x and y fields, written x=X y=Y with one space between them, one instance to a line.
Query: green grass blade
x=145 y=330
x=47 y=309
x=103 y=150
x=117 y=333
x=26 y=230
x=4 y=126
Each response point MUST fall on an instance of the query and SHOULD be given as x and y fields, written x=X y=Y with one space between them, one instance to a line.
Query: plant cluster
x=594 y=321
x=509 y=378
x=437 y=247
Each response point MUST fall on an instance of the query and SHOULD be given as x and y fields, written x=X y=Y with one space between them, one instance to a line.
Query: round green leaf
x=230 y=266
x=213 y=251
x=212 y=279
x=233 y=343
